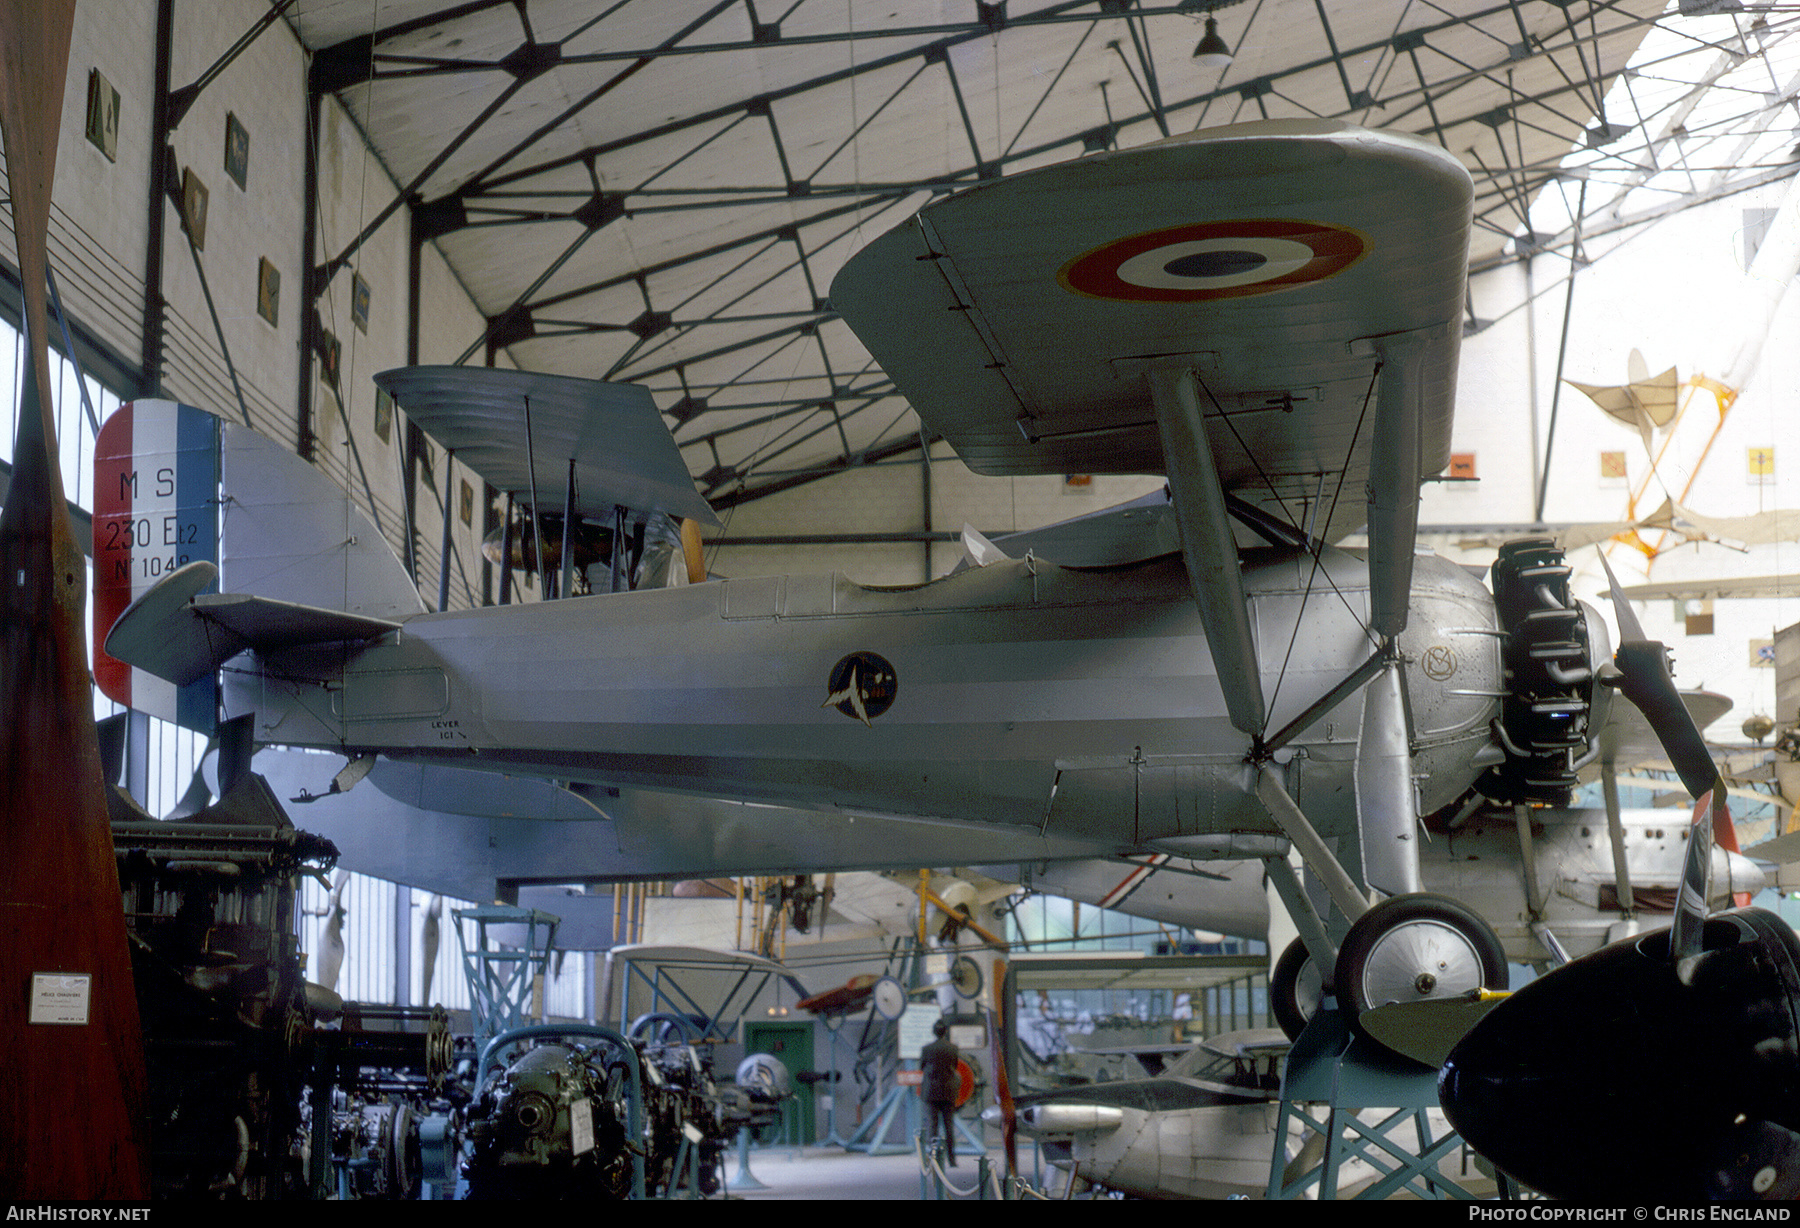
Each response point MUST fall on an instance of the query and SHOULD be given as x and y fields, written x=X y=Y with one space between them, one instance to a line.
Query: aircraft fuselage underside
x=1021 y=692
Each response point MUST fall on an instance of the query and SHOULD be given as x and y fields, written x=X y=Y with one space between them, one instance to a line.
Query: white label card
x=60 y=997
x=581 y=1126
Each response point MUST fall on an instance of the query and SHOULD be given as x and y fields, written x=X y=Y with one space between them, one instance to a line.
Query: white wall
x=1675 y=291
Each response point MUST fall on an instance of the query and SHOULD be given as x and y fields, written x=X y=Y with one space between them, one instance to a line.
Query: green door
x=792 y=1045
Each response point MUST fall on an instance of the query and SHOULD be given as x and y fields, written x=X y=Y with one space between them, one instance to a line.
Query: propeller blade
x=1643 y=675
x=1009 y=1116
x=1690 y=906
x=199 y=794
x=111 y=736
x=1629 y=629
x=692 y=551
x=59 y=887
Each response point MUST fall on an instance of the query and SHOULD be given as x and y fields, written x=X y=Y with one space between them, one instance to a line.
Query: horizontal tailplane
x=180 y=633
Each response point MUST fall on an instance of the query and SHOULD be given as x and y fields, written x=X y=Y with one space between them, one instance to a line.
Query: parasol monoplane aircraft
x=1269 y=314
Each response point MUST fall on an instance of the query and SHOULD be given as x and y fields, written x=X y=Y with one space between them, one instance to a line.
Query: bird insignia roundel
x=862 y=686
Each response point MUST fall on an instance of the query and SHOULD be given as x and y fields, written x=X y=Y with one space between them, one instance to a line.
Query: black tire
x=1295 y=988
x=1413 y=947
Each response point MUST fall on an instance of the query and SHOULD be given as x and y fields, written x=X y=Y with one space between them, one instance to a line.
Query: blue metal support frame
x=501 y=981
x=1346 y=1074
x=667 y=994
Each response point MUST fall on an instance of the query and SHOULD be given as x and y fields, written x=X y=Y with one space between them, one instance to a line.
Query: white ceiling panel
x=662 y=190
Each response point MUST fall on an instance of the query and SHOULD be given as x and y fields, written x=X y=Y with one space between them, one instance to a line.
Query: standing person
x=940 y=1084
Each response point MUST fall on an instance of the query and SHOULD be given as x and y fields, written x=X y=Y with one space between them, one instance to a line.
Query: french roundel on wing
x=1214 y=260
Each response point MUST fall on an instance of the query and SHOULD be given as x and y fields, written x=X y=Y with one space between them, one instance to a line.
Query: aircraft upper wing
x=622 y=451
x=1280 y=261
x=1720 y=586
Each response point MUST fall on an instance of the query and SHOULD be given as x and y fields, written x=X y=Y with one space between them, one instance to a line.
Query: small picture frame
x=237 y=150
x=268 y=292
x=1462 y=466
x=103 y=115
x=359 y=303
x=331 y=357
x=384 y=415
x=428 y=465
x=466 y=504
x=1696 y=615
x=194 y=200
x=1759 y=465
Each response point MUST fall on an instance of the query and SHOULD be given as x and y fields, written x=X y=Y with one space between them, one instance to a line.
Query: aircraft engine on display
x=552 y=1125
x=566 y=1119
x=378 y=1144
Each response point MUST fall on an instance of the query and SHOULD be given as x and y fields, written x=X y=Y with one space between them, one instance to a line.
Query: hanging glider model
x=1268 y=314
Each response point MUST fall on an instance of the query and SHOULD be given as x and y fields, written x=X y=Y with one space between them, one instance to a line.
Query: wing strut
x=1313 y=850
x=1394 y=475
x=1615 y=830
x=1208 y=546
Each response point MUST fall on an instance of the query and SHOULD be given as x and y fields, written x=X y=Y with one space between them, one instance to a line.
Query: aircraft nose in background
x=1735 y=874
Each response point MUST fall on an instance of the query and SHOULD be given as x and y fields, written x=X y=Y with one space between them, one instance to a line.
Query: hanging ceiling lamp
x=1212 y=51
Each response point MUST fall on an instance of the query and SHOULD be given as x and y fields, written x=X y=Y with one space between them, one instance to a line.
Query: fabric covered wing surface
x=1019 y=318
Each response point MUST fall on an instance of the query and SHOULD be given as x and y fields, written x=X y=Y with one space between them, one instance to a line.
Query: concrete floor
x=828 y=1172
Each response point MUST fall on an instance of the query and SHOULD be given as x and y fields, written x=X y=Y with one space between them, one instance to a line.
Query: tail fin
x=176 y=485
x=156 y=509
x=290 y=533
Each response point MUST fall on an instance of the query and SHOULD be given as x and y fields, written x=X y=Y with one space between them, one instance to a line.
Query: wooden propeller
x=71 y=1091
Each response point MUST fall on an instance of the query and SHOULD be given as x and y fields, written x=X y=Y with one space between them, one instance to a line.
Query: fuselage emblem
x=862 y=686
x=1439 y=662
x=1214 y=260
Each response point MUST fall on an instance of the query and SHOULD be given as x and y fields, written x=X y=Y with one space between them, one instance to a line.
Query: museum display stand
x=1351 y=1102
x=501 y=977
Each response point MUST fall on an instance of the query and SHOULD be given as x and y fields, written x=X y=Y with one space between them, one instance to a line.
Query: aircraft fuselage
x=1021 y=693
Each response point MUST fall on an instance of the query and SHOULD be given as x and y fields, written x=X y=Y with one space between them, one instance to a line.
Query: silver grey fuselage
x=1023 y=693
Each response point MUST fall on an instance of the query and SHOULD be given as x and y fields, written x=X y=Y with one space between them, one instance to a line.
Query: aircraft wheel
x=1295 y=988
x=1411 y=948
